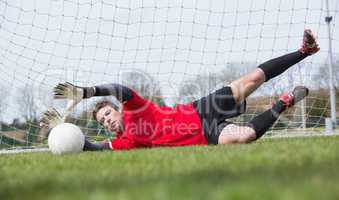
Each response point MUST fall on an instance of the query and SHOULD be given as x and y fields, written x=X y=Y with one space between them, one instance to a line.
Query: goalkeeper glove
x=51 y=118
x=73 y=93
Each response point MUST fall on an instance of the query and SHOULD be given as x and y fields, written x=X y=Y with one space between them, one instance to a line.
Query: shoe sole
x=299 y=93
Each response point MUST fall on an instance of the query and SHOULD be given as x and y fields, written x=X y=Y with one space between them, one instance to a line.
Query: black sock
x=276 y=66
x=262 y=122
x=95 y=147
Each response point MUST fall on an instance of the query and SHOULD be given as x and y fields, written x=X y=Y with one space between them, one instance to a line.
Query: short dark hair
x=102 y=104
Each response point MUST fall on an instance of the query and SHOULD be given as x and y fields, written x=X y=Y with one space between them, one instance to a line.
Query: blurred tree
x=321 y=77
x=3 y=101
x=146 y=85
x=27 y=103
x=204 y=84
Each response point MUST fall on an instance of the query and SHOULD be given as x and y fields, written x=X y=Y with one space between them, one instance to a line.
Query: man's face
x=110 y=118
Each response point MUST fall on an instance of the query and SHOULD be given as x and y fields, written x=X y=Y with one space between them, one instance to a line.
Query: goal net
x=170 y=51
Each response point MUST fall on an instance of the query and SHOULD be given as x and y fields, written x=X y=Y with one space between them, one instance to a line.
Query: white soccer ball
x=66 y=138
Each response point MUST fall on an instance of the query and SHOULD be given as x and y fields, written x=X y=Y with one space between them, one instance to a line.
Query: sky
x=44 y=42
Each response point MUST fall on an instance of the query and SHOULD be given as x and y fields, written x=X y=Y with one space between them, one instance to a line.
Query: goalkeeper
x=143 y=124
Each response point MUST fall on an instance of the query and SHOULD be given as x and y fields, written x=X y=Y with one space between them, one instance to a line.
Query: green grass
x=297 y=168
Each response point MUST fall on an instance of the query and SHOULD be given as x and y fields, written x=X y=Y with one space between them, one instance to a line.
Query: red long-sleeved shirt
x=148 y=125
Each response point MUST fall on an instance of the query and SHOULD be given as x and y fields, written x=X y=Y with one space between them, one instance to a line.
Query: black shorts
x=213 y=111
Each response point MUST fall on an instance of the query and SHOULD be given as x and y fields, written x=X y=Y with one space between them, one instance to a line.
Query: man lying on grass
x=143 y=124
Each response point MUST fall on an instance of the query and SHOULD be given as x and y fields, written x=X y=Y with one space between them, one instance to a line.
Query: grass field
x=295 y=168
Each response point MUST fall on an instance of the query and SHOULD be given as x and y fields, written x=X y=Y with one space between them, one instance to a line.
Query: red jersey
x=148 y=125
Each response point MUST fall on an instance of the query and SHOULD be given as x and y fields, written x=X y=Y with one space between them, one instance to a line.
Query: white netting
x=171 y=46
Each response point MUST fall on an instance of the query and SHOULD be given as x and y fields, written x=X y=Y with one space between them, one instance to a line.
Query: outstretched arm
x=89 y=146
x=116 y=144
x=122 y=93
x=75 y=94
x=130 y=99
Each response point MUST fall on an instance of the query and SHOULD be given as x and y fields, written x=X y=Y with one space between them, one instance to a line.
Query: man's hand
x=72 y=93
x=51 y=118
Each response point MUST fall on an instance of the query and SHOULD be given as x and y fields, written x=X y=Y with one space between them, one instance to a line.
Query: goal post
x=170 y=51
x=331 y=68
